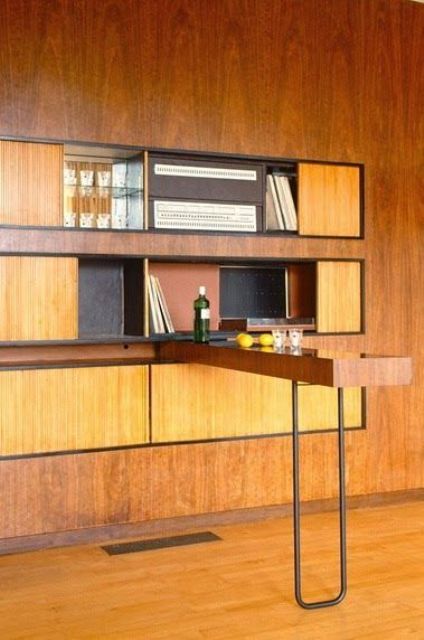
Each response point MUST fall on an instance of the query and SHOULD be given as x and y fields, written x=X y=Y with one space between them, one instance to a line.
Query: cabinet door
x=196 y=402
x=72 y=409
x=31 y=183
x=38 y=298
x=329 y=200
x=338 y=297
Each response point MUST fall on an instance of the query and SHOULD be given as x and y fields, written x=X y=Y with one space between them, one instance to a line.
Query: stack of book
x=280 y=210
x=159 y=313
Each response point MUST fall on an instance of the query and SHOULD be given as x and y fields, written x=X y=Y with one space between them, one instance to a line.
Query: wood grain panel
x=328 y=200
x=321 y=366
x=74 y=353
x=38 y=297
x=234 y=51
x=194 y=402
x=31 y=183
x=81 y=74
x=65 y=409
x=147 y=74
x=318 y=407
x=159 y=244
x=339 y=296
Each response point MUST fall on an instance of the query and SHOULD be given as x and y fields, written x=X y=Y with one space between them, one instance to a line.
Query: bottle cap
x=202 y=291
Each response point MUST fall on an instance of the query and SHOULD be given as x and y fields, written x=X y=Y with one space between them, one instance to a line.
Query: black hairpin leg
x=296 y=507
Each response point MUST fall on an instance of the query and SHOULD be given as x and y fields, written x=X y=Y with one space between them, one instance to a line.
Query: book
x=156 y=316
x=270 y=188
x=289 y=202
x=286 y=201
x=163 y=306
x=282 y=202
x=272 y=223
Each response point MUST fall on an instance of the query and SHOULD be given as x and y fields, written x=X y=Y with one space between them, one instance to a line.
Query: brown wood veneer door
x=339 y=297
x=46 y=410
x=195 y=402
x=31 y=177
x=329 y=200
x=38 y=298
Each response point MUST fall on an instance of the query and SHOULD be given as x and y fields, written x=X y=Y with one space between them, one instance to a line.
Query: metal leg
x=296 y=507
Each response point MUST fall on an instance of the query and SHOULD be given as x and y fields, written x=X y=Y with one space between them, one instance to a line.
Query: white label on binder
x=204 y=216
x=184 y=171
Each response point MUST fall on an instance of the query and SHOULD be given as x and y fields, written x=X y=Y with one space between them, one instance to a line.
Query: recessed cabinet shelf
x=295 y=291
x=103 y=188
x=281 y=212
x=126 y=188
x=110 y=298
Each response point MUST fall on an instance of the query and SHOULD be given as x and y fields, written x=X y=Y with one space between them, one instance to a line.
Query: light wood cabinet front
x=196 y=402
x=38 y=298
x=329 y=200
x=72 y=409
x=31 y=183
x=338 y=296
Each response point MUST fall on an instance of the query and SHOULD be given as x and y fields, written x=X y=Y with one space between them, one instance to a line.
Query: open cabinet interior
x=103 y=188
x=237 y=291
x=110 y=297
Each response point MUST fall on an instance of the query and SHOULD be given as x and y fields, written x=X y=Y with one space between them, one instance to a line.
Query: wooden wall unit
x=197 y=94
x=31 y=183
x=87 y=408
x=38 y=298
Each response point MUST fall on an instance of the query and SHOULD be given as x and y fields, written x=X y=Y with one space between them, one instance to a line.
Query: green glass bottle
x=201 y=317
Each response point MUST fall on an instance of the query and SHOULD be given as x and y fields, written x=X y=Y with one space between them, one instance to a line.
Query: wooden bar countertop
x=316 y=366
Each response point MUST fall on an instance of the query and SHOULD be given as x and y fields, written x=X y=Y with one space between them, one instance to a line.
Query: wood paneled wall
x=337 y=80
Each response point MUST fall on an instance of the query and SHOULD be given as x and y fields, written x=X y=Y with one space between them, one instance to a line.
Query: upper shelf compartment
x=212 y=193
x=100 y=187
x=103 y=188
x=205 y=195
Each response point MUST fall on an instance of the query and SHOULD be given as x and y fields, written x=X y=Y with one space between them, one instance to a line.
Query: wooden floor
x=237 y=588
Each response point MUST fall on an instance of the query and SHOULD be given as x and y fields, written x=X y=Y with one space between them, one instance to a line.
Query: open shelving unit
x=188 y=219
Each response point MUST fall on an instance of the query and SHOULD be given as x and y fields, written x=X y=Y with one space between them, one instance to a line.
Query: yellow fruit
x=244 y=340
x=266 y=339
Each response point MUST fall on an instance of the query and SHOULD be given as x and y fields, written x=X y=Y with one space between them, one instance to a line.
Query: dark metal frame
x=296 y=506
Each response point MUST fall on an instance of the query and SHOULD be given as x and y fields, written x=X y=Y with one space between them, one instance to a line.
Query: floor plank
x=239 y=588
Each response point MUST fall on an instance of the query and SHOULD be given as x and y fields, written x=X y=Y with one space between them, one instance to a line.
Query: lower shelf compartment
x=110 y=297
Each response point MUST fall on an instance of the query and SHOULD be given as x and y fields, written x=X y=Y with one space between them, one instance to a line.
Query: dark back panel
x=101 y=300
x=252 y=292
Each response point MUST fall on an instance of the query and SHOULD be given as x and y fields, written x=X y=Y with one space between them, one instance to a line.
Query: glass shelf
x=102 y=192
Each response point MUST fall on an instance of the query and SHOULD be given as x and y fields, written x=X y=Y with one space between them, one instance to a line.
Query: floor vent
x=160 y=543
